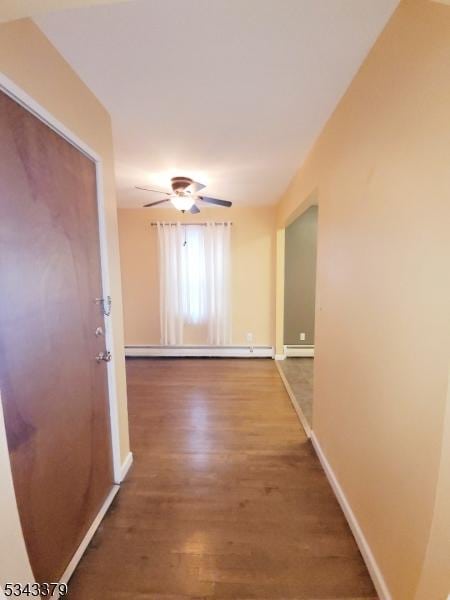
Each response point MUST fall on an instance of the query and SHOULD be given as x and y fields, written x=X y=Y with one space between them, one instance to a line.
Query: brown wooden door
x=54 y=393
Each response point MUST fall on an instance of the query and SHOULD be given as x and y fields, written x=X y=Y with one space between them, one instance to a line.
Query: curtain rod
x=153 y=223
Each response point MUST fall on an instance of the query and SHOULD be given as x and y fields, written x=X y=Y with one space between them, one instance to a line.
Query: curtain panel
x=170 y=242
x=195 y=280
x=218 y=267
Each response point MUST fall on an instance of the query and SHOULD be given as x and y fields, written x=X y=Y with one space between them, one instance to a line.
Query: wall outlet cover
x=302 y=337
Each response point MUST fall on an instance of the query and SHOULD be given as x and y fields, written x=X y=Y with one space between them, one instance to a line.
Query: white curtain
x=218 y=267
x=170 y=238
x=194 y=275
x=195 y=267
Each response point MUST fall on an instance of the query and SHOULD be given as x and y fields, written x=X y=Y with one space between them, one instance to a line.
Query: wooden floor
x=226 y=498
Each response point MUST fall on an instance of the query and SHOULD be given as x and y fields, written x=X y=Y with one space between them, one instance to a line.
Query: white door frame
x=21 y=97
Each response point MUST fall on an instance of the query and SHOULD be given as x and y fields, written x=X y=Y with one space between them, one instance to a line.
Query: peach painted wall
x=253 y=271
x=381 y=171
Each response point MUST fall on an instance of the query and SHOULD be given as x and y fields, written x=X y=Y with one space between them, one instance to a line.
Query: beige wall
x=300 y=278
x=253 y=285
x=32 y=63
x=381 y=168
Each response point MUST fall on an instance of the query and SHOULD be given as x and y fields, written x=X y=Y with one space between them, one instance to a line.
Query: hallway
x=226 y=498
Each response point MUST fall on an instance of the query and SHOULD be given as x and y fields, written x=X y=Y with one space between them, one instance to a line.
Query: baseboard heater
x=299 y=351
x=224 y=351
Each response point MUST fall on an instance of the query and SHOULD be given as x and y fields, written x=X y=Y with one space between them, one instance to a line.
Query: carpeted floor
x=300 y=372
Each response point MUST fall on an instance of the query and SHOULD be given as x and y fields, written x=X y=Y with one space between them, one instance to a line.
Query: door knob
x=105 y=356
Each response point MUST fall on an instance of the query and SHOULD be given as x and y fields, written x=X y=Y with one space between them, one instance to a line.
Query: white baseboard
x=280 y=356
x=298 y=410
x=299 y=351
x=88 y=537
x=208 y=351
x=364 y=548
x=126 y=465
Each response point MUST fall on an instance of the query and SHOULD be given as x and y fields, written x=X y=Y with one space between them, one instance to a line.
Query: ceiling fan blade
x=155 y=203
x=194 y=187
x=215 y=201
x=194 y=209
x=150 y=190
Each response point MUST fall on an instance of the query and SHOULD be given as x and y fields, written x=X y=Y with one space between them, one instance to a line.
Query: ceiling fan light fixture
x=182 y=202
x=184 y=195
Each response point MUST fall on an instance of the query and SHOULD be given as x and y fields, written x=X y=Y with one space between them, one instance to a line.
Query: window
x=193 y=284
x=194 y=269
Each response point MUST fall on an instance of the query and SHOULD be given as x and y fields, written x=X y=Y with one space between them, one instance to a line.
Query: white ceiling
x=230 y=92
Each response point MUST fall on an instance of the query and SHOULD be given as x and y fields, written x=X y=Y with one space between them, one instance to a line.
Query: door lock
x=105 y=304
x=105 y=356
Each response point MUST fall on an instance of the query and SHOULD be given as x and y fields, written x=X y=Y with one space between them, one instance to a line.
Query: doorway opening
x=297 y=367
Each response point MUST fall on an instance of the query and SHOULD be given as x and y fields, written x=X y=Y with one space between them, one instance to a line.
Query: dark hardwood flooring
x=226 y=498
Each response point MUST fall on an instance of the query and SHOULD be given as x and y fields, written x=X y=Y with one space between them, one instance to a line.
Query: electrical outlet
x=302 y=337
x=249 y=337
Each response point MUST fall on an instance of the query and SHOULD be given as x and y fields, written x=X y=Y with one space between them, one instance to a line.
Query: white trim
x=299 y=351
x=363 y=545
x=88 y=537
x=209 y=351
x=17 y=94
x=301 y=416
x=126 y=466
x=280 y=356
x=21 y=97
x=109 y=341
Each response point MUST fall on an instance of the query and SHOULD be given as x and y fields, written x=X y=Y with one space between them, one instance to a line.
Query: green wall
x=300 y=278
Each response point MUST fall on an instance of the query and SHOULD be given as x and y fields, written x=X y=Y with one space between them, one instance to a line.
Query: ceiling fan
x=184 y=195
